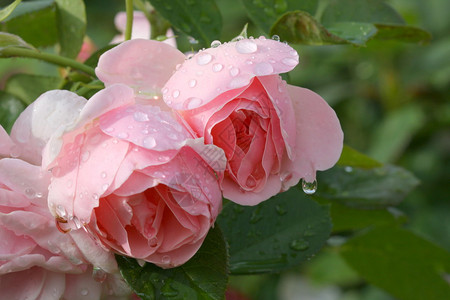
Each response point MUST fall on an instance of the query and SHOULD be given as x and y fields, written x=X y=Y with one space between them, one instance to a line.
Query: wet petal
x=144 y=65
x=229 y=66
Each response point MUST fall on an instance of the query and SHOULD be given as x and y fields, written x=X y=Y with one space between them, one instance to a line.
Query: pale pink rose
x=273 y=134
x=141 y=28
x=37 y=261
x=133 y=177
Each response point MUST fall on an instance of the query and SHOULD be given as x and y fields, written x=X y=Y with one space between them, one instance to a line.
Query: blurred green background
x=393 y=102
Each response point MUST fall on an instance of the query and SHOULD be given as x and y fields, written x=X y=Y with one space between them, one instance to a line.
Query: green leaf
x=204 y=276
x=402 y=33
x=10 y=109
x=351 y=157
x=299 y=27
x=264 y=13
x=199 y=19
x=35 y=22
x=71 y=20
x=361 y=11
x=346 y=218
x=276 y=234
x=397 y=127
x=365 y=188
x=353 y=32
x=400 y=262
x=11 y=40
x=28 y=87
x=5 y=12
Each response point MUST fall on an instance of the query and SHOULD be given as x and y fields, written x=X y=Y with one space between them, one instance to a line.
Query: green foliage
x=10 y=40
x=274 y=235
x=5 y=12
x=10 y=108
x=199 y=19
x=407 y=266
x=28 y=87
x=204 y=276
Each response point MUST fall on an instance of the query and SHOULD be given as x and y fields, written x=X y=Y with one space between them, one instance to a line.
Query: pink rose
x=133 y=177
x=36 y=260
x=273 y=134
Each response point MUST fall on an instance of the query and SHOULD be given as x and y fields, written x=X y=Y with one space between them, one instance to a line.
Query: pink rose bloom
x=132 y=176
x=273 y=134
x=36 y=260
x=141 y=28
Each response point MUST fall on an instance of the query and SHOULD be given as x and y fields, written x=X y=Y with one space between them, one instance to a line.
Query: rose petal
x=144 y=65
x=227 y=67
x=319 y=136
x=50 y=113
x=82 y=286
x=5 y=143
x=26 y=284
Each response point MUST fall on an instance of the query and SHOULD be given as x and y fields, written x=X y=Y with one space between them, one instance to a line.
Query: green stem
x=51 y=58
x=129 y=27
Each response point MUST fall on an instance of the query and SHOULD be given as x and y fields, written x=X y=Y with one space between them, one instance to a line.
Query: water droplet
x=168 y=291
x=15 y=151
x=246 y=46
x=103 y=175
x=275 y=38
x=99 y=274
x=39 y=195
x=251 y=182
x=217 y=67
x=192 y=40
x=60 y=211
x=204 y=58
x=215 y=44
x=280 y=210
x=141 y=116
x=309 y=187
x=165 y=259
x=153 y=242
x=238 y=82
x=95 y=196
x=149 y=142
x=173 y=136
x=30 y=193
x=289 y=61
x=192 y=103
x=348 y=169
x=234 y=72
x=263 y=68
x=192 y=83
x=165 y=90
x=175 y=93
x=105 y=187
x=299 y=245
x=84 y=292
x=85 y=156
x=309 y=232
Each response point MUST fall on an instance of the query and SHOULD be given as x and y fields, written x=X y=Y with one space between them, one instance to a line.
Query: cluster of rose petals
x=273 y=134
x=132 y=176
x=37 y=261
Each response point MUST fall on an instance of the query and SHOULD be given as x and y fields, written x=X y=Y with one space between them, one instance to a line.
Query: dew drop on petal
x=165 y=259
x=175 y=93
x=122 y=135
x=192 y=83
x=103 y=175
x=153 y=242
x=99 y=274
x=309 y=187
x=234 y=72
x=204 y=58
x=215 y=44
x=165 y=90
x=217 y=67
x=289 y=61
x=263 y=68
x=84 y=292
x=141 y=116
x=275 y=38
x=262 y=38
x=30 y=193
x=149 y=142
x=192 y=103
x=246 y=46
x=85 y=156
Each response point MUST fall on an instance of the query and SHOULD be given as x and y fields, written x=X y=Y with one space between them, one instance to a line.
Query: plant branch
x=129 y=27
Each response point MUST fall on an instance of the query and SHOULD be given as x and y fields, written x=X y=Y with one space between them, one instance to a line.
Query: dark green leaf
x=405 y=265
x=35 y=22
x=362 y=11
x=28 y=87
x=353 y=32
x=352 y=158
x=5 y=12
x=11 y=40
x=299 y=27
x=266 y=12
x=199 y=19
x=71 y=20
x=402 y=33
x=10 y=109
x=276 y=234
x=365 y=188
x=92 y=61
x=204 y=276
x=346 y=218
